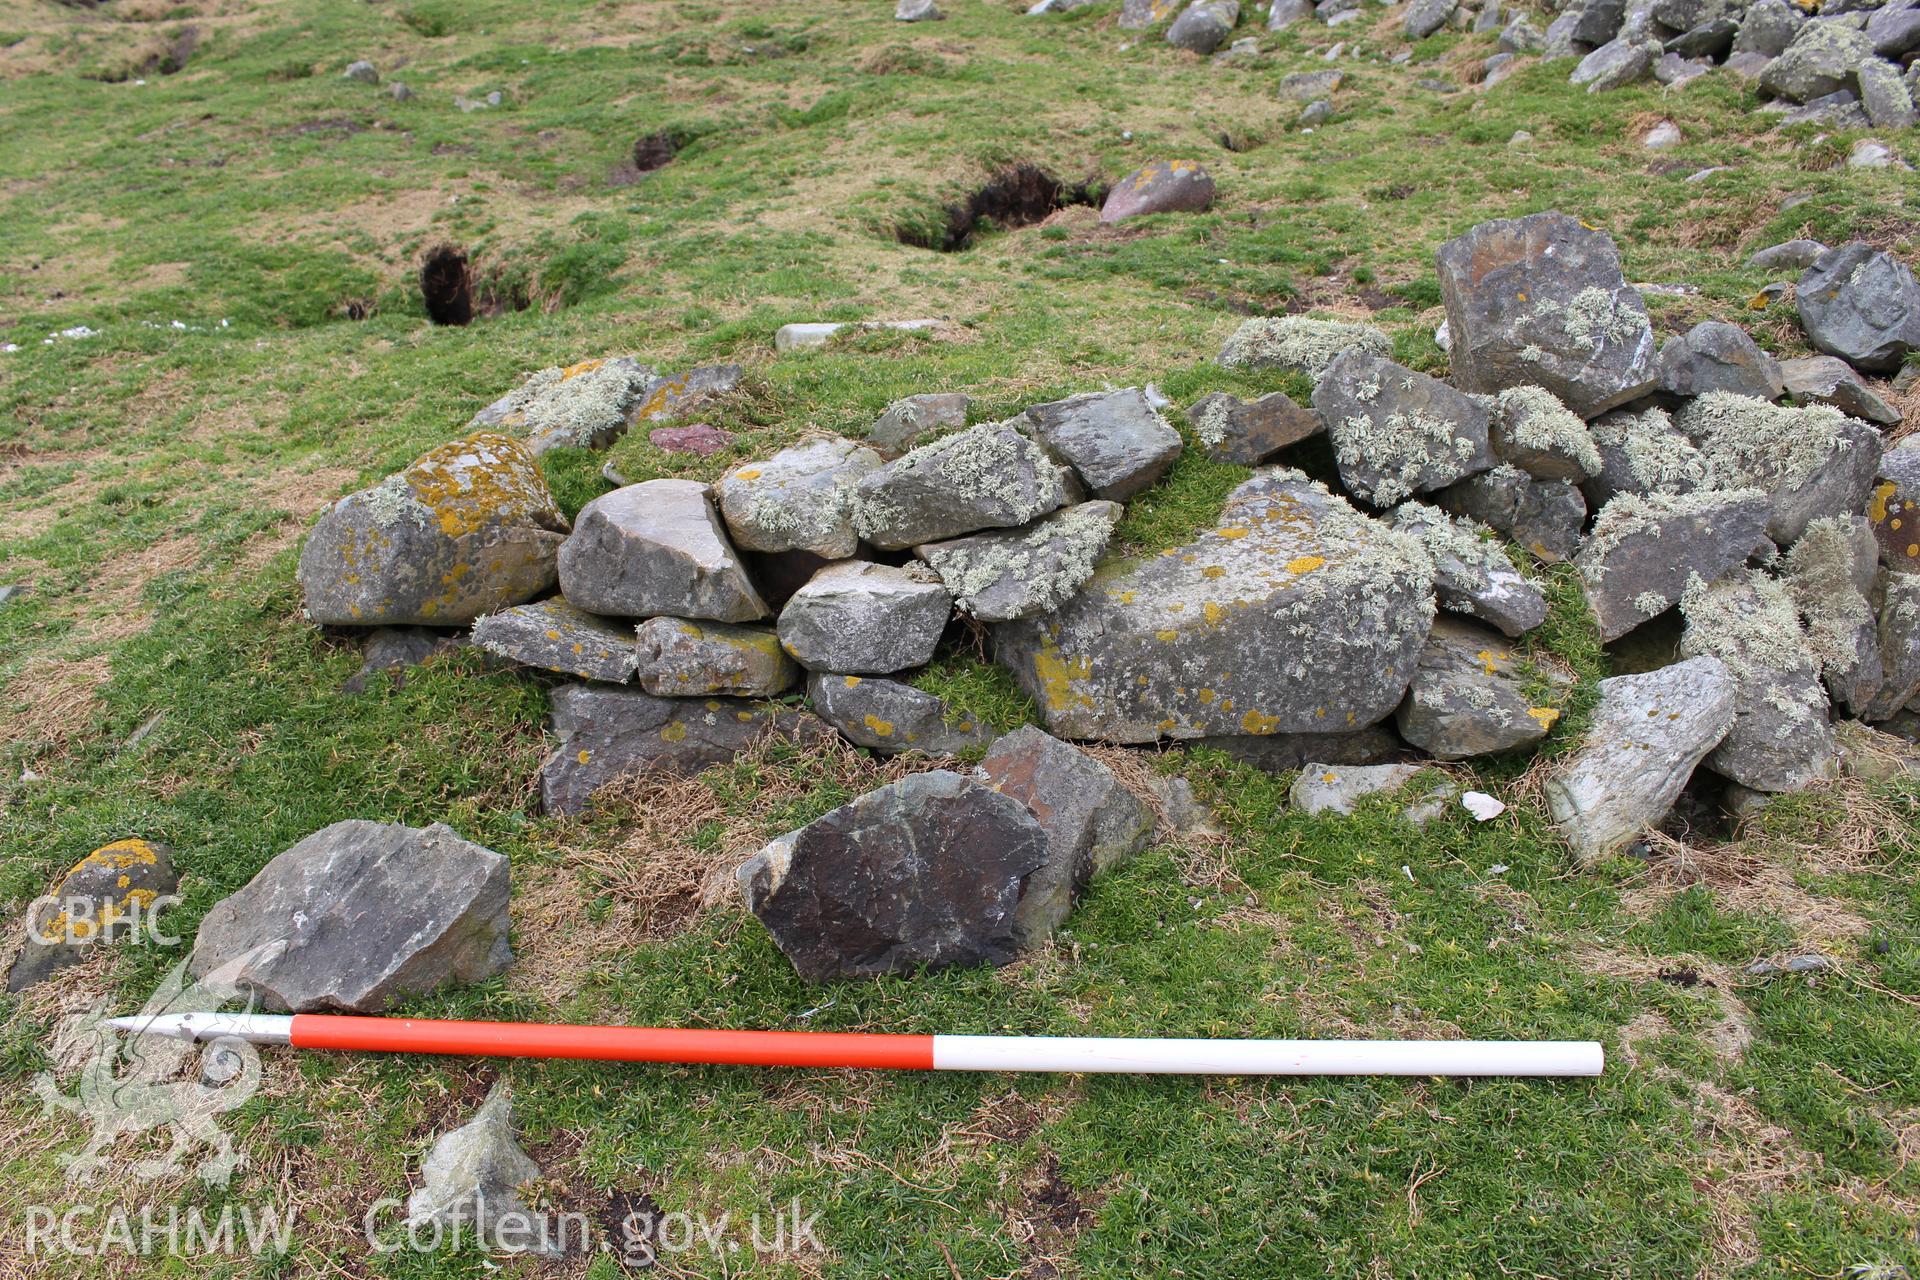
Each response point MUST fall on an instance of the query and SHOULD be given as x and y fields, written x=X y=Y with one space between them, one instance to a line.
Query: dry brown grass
x=52 y=699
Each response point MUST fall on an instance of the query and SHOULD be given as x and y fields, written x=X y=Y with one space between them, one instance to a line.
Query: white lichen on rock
x=1747 y=441
x=1039 y=566
x=578 y=406
x=1303 y=343
x=1399 y=450
x=1749 y=622
x=1463 y=544
x=1594 y=316
x=1629 y=515
x=1819 y=578
x=1659 y=458
x=992 y=469
x=1535 y=418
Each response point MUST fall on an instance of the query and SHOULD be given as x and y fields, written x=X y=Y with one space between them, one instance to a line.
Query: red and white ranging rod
x=817 y=1049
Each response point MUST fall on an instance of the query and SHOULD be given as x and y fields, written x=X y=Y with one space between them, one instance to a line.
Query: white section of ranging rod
x=255 y=1028
x=1270 y=1057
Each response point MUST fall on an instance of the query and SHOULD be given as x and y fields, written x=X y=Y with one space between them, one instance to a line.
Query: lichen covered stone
x=891 y=717
x=1472 y=574
x=556 y=636
x=1643 y=552
x=988 y=477
x=680 y=658
x=1248 y=432
x=467 y=528
x=800 y=499
x=1532 y=430
x=1395 y=432
x=857 y=618
x=1114 y=440
x=1299 y=344
x=656 y=548
x=1018 y=573
x=1813 y=461
x=1471 y=695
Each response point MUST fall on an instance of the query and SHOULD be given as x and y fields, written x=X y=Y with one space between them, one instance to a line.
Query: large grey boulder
x=890 y=717
x=1248 y=432
x=857 y=618
x=1825 y=380
x=1830 y=573
x=1312 y=86
x=1616 y=63
x=988 y=477
x=656 y=548
x=1091 y=822
x=1544 y=516
x=1644 y=551
x=1204 y=25
x=1823 y=58
x=1339 y=789
x=1767 y=28
x=917 y=419
x=1648 y=733
x=1017 y=573
x=1395 y=432
x=1163 y=186
x=553 y=635
x=1529 y=428
x=359 y=915
x=1788 y=255
x=1472 y=696
x=1424 y=17
x=1298 y=344
x=107 y=896
x=1862 y=305
x=1644 y=453
x=1540 y=300
x=924 y=873
x=800 y=499
x=467 y=528
x=1597 y=21
x=1113 y=439
x=1717 y=356
x=1781 y=738
x=1884 y=95
x=1894 y=29
x=470 y=1184
x=581 y=406
x=1293 y=614
x=1471 y=572
x=607 y=734
x=680 y=658
x=1284 y=13
x=1812 y=461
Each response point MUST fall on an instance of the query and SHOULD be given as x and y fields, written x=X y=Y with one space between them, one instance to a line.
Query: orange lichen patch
x=1545 y=715
x=1259 y=725
x=1305 y=564
x=121 y=854
x=1057 y=677
x=881 y=728
x=575 y=370
x=484 y=480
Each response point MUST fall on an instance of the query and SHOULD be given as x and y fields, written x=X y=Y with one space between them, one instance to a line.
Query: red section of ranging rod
x=613 y=1044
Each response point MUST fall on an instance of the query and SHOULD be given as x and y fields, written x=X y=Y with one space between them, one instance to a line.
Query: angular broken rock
x=1893 y=507
x=1544 y=516
x=1717 y=356
x=1830 y=573
x=1294 y=614
x=467 y=528
x=857 y=618
x=1113 y=439
x=1530 y=429
x=800 y=499
x=910 y=422
x=1788 y=255
x=1822 y=59
x=679 y=658
x=656 y=548
x=556 y=636
x=1643 y=453
x=891 y=717
x=1540 y=300
x=1648 y=733
x=1165 y=186
x=1395 y=432
x=107 y=895
x=609 y=733
x=1325 y=788
x=1860 y=304
x=359 y=915
x=1825 y=380
x=1899 y=639
x=470 y=1183
x=1018 y=573
x=1644 y=551
x=1248 y=432
x=583 y=406
x=1471 y=573
x=1299 y=344
x=988 y=477
x=1813 y=461
x=1782 y=735
x=923 y=873
x=1469 y=695
x=1091 y=821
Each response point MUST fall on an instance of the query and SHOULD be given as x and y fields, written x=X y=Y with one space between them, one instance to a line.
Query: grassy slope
x=153 y=483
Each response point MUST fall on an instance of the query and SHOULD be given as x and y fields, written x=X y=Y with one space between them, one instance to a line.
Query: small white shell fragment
x=1482 y=806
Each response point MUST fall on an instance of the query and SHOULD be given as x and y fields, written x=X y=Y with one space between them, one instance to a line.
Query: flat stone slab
x=1114 y=440
x=799 y=337
x=892 y=717
x=1862 y=305
x=1829 y=381
x=924 y=873
x=1248 y=432
x=1395 y=432
x=656 y=548
x=1540 y=300
x=800 y=499
x=1339 y=789
x=358 y=916
x=554 y=635
x=1649 y=732
x=680 y=658
x=608 y=733
x=988 y=477
x=1470 y=696
x=1643 y=551
x=467 y=528
x=857 y=618
x=1021 y=573
x=1293 y=614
